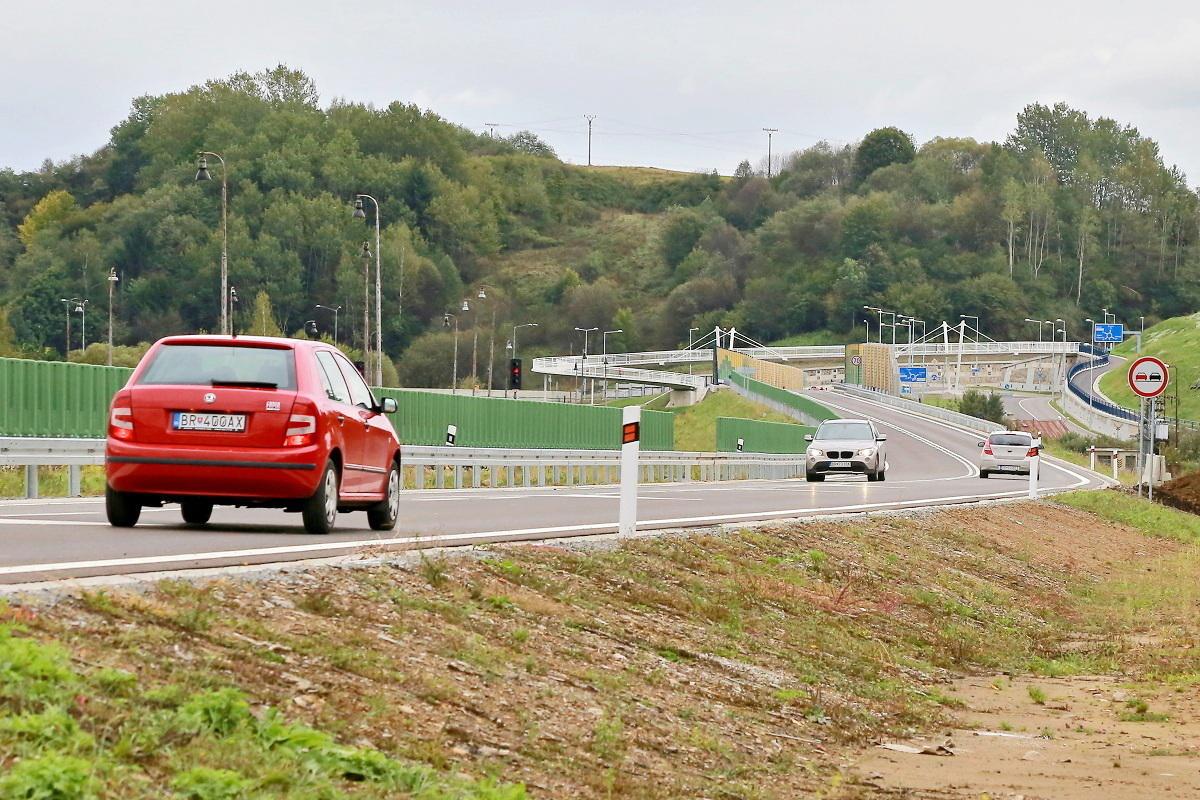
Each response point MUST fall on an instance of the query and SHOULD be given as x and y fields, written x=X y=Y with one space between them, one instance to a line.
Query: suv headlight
x=814 y=452
x=866 y=452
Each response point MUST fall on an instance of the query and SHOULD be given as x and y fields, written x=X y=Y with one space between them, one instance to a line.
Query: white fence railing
x=928 y=410
x=461 y=468
x=953 y=348
x=573 y=366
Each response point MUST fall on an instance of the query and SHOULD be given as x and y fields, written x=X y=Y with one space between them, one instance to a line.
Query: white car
x=1007 y=452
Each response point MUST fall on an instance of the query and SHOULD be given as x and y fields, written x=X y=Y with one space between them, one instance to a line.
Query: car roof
x=280 y=342
x=1003 y=433
x=846 y=419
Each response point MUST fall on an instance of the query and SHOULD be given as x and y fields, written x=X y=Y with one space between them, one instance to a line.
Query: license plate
x=837 y=464
x=191 y=421
x=1009 y=467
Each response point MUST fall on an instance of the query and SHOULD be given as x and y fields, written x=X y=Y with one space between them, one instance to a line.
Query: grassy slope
x=696 y=426
x=707 y=665
x=1177 y=342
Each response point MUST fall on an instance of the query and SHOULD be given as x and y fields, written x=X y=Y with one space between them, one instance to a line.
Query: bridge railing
x=937 y=412
x=985 y=348
x=465 y=468
x=1090 y=398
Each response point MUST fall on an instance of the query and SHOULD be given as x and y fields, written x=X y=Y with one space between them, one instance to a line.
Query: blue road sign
x=1109 y=333
x=913 y=374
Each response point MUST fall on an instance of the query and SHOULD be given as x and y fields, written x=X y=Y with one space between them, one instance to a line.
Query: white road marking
x=481 y=535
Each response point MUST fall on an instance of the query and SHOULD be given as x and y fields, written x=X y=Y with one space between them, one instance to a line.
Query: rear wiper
x=247 y=384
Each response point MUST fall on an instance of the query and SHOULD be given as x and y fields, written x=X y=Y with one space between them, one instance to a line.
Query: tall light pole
x=475 y=339
x=770 y=132
x=583 y=360
x=360 y=213
x=67 y=342
x=202 y=174
x=454 y=370
x=517 y=328
x=977 y=323
x=604 y=361
x=112 y=282
x=81 y=310
x=892 y=324
x=335 y=310
x=589 y=118
x=1040 y=323
x=690 y=332
x=365 y=252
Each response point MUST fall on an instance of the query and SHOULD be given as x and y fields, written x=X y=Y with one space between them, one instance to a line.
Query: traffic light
x=514 y=373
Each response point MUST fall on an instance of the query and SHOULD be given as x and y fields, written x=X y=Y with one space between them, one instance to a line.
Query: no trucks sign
x=1148 y=377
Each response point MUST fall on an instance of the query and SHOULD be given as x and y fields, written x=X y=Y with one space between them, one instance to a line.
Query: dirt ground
x=1072 y=746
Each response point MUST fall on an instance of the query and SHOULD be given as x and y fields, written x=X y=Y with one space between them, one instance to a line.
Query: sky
x=677 y=85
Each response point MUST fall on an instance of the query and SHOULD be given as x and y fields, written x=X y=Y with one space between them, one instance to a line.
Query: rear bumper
x=253 y=473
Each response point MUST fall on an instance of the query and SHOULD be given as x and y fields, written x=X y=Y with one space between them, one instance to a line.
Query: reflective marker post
x=1033 y=471
x=631 y=423
x=451 y=435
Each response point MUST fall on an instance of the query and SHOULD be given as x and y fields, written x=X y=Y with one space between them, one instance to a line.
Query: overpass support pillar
x=682 y=397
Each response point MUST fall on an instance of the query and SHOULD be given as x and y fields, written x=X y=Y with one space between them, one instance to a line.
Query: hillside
x=1069 y=214
x=1177 y=342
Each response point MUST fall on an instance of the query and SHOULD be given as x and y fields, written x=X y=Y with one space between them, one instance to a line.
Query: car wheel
x=812 y=477
x=122 y=508
x=882 y=474
x=383 y=515
x=872 y=477
x=320 y=510
x=196 y=512
x=983 y=473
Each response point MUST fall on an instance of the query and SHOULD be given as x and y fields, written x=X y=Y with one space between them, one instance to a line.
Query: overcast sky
x=682 y=85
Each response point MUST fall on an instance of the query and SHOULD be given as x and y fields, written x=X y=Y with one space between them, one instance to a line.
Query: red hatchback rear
x=251 y=421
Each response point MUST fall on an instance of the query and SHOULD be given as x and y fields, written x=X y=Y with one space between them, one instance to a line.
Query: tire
x=122 y=508
x=882 y=472
x=383 y=515
x=983 y=473
x=320 y=510
x=197 y=511
x=872 y=477
x=812 y=477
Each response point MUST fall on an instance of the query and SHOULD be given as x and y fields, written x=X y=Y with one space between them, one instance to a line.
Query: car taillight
x=987 y=451
x=120 y=423
x=1033 y=451
x=302 y=426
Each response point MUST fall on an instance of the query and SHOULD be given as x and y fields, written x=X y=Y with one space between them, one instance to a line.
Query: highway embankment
x=757 y=663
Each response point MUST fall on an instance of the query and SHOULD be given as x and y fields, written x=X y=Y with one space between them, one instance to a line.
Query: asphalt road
x=1038 y=407
x=929 y=463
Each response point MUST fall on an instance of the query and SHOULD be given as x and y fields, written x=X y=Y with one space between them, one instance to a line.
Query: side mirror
x=387 y=406
x=881 y=437
x=979 y=444
x=808 y=437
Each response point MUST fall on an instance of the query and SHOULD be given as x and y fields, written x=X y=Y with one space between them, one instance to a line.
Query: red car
x=251 y=421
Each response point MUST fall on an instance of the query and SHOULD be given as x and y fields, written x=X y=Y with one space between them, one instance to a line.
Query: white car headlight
x=866 y=452
x=814 y=452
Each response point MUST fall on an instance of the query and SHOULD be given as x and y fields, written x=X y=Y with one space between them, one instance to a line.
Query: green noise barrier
x=57 y=399
x=761 y=437
x=809 y=408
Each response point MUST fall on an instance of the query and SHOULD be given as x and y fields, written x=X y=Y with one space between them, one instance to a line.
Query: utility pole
x=589 y=118
x=491 y=126
x=112 y=281
x=770 y=132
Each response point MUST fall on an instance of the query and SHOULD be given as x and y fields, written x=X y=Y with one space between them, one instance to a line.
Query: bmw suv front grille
x=839 y=454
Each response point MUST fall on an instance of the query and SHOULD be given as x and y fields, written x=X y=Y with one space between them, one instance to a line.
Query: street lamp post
x=112 y=282
x=972 y=316
x=81 y=310
x=360 y=213
x=474 y=340
x=202 y=174
x=454 y=370
x=67 y=341
x=366 y=340
x=690 y=332
x=604 y=361
x=583 y=360
x=335 y=310
x=892 y=324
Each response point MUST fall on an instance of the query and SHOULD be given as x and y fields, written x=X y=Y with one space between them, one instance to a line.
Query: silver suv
x=846 y=447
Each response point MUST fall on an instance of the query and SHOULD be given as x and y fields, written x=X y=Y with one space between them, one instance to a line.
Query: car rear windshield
x=836 y=431
x=208 y=365
x=1011 y=439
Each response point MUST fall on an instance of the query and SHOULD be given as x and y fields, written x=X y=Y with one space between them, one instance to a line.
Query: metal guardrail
x=459 y=468
x=1090 y=398
x=937 y=412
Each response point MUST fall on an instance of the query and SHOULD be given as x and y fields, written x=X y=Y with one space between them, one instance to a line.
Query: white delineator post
x=1034 y=463
x=631 y=425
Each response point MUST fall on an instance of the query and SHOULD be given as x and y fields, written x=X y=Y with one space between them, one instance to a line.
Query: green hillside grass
x=696 y=426
x=1177 y=342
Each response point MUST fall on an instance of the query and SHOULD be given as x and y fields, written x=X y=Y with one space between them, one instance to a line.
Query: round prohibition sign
x=1148 y=377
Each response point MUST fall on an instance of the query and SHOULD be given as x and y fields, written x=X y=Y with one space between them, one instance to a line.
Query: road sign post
x=631 y=424
x=1148 y=378
x=1034 y=464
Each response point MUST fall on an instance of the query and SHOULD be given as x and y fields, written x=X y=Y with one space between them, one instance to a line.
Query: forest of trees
x=1069 y=214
